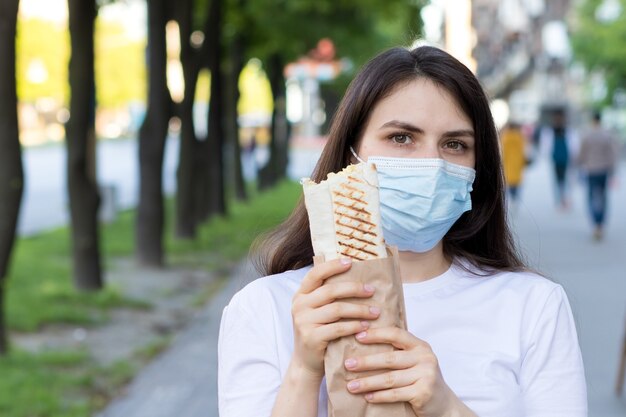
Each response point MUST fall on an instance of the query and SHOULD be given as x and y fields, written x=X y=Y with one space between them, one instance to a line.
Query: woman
x=485 y=337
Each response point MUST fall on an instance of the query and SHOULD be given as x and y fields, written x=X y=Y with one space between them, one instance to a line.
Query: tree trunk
x=186 y=199
x=81 y=149
x=232 y=125
x=276 y=168
x=217 y=195
x=152 y=136
x=11 y=173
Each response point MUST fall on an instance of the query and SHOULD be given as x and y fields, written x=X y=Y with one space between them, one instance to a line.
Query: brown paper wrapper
x=384 y=275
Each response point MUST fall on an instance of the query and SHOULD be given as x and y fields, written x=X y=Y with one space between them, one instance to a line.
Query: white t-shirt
x=506 y=343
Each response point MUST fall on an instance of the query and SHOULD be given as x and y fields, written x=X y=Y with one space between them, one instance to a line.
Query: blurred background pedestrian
x=598 y=159
x=560 y=142
x=513 y=146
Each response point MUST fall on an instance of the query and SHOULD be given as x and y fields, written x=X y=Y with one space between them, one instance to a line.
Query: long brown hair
x=481 y=235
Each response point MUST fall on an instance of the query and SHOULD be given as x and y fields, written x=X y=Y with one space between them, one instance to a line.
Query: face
x=419 y=120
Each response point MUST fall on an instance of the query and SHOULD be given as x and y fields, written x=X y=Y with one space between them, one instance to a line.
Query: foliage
x=358 y=28
x=44 y=46
x=599 y=45
x=256 y=93
x=42 y=49
x=291 y=28
x=120 y=66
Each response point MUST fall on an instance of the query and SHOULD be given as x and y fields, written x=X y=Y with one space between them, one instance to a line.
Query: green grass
x=40 y=289
x=221 y=238
x=57 y=384
x=40 y=292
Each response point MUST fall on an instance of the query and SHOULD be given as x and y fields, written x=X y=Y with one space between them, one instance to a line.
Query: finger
x=330 y=292
x=395 y=359
x=339 y=329
x=383 y=381
x=316 y=276
x=342 y=310
x=392 y=395
x=394 y=336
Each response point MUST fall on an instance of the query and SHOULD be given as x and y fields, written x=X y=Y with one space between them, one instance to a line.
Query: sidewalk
x=559 y=244
x=182 y=382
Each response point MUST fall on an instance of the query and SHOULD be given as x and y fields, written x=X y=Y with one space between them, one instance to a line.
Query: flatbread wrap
x=344 y=219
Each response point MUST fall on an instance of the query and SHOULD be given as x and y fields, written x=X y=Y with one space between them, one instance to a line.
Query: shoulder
x=268 y=292
x=262 y=306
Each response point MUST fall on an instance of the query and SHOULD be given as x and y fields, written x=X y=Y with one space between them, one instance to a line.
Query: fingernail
x=352 y=385
x=350 y=363
x=365 y=324
x=361 y=335
x=375 y=310
x=369 y=396
x=368 y=288
x=346 y=261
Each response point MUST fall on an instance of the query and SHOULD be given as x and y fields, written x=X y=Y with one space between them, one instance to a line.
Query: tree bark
x=81 y=149
x=152 y=136
x=236 y=63
x=11 y=172
x=276 y=168
x=186 y=199
x=217 y=195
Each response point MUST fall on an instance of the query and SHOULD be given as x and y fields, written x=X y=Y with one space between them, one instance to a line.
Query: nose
x=430 y=149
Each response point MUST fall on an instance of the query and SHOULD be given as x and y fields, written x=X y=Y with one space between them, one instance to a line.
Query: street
x=45 y=201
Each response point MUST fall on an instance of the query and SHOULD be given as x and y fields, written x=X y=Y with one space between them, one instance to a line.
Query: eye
x=455 y=145
x=401 y=139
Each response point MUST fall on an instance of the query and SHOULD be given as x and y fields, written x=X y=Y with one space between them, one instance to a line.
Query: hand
x=413 y=375
x=318 y=310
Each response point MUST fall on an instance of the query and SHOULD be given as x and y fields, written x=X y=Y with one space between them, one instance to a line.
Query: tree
x=11 y=173
x=598 y=41
x=81 y=148
x=235 y=44
x=152 y=135
x=200 y=175
x=187 y=172
x=215 y=135
x=276 y=168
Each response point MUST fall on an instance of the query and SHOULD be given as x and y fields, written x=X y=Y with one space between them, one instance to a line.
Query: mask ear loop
x=355 y=155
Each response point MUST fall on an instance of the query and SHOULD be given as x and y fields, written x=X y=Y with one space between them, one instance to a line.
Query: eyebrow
x=412 y=128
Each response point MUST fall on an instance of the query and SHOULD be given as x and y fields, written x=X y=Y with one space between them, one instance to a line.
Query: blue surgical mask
x=420 y=199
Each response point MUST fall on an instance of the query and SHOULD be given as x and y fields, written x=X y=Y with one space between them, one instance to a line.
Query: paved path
x=593 y=273
x=182 y=381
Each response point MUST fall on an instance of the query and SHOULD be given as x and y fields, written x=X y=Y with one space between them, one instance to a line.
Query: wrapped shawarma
x=344 y=219
x=344 y=214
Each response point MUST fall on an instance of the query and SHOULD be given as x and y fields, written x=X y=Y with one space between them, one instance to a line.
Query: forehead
x=421 y=100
